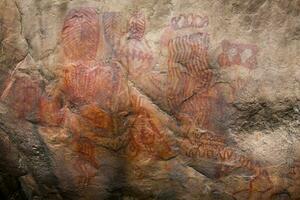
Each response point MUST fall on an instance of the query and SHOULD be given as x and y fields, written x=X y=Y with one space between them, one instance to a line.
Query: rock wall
x=159 y=99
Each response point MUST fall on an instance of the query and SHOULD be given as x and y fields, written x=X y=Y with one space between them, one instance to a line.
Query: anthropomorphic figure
x=189 y=80
x=96 y=103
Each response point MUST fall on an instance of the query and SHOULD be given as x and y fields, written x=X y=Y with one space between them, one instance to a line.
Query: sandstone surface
x=156 y=99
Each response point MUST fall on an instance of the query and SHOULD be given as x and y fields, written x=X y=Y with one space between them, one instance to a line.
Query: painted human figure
x=91 y=96
x=136 y=56
x=189 y=80
x=98 y=103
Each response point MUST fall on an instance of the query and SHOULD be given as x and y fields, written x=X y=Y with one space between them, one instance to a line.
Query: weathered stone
x=150 y=99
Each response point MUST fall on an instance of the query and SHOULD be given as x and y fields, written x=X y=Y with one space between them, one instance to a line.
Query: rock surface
x=158 y=99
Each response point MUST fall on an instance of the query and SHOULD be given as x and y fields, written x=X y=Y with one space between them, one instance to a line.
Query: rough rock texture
x=156 y=99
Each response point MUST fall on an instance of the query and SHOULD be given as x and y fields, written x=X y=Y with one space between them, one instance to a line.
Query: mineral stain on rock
x=195 y=106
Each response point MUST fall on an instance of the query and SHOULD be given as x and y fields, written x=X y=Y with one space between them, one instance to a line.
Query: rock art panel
x=95 y=103
x=116 y=118
x=91 y=99
x=189 y=75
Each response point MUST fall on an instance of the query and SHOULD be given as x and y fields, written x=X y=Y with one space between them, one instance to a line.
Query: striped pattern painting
x=112 y=28
x=188 y=68
x=137 y=26
x=80 y=34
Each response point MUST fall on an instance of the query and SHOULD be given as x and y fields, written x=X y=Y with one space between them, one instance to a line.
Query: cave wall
x=159 y=99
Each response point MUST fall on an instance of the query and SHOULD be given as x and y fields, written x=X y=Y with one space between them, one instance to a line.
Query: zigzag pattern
x=188 y=68
x=137 y=25
x=190 y=50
